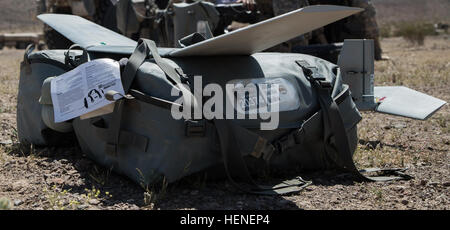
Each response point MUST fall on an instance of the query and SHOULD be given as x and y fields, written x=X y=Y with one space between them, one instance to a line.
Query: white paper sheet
x=82 y=90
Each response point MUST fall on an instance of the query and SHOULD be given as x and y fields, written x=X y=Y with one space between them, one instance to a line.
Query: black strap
x=113 y=134
x=30 y=48
x=126 y=138
x=335 y=135
x=154 y=100
x=307 y=127
x=76 y=60
x=235 y=166
x=144 y=48
x=137 y=58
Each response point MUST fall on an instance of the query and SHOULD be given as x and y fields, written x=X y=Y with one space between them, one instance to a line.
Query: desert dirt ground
x=64 y=178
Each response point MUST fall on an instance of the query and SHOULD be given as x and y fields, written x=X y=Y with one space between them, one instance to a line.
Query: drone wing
x=405 y=102
x=245 y=41
x=89 y=35
x=357 y=67
x=268 y=33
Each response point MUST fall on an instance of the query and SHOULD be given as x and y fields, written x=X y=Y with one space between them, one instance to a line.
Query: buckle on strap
x=313 y=75
x=183 y=77
x=290 y=140
x=284 y=143
x=195 y=128
x=263 y=150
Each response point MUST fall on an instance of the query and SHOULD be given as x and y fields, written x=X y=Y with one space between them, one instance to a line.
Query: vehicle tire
x=55 y=40
x=40 y=7
x=52 y=38
x=22 y=45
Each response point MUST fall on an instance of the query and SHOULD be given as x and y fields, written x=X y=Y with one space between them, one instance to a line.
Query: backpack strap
x=74 y=61
x=335 y=136
x=236 y=168
x=144 y=49
x=309 y=127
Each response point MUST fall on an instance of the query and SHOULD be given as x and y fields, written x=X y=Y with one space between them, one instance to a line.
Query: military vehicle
x=169 y=23
x=441 y=28
x=20 y=40
x=166 y=22
x=316 y=102
x=144 y=18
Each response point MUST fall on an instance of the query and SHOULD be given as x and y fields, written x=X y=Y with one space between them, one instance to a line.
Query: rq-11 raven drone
x=318 y=102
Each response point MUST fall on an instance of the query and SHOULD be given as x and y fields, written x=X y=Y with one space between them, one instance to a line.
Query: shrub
x=386 y=31
x=415 y=32
x=5 y=204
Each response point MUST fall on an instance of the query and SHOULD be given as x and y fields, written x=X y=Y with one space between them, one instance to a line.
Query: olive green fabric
x=35 y=68
x=142 y=140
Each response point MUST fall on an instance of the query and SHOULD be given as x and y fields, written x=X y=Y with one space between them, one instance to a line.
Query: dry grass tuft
x=416 y=32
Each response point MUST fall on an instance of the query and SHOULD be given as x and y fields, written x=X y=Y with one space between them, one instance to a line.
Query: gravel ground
x=63 y=178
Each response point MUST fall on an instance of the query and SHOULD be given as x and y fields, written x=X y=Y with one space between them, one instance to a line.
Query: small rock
x=400 y=188
x=8 y=188
x=423 y=182
x=194 y=193
x=399 y=125
x=94 y=202
x=422 y=164
x=18 y=185
x=133 y=207
x=43 y=163
x=82 y=207
x=6 y=142
x=405 y=202
x=57 y=181
x=72 y=172
x=434 y=184
x=18 y=202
